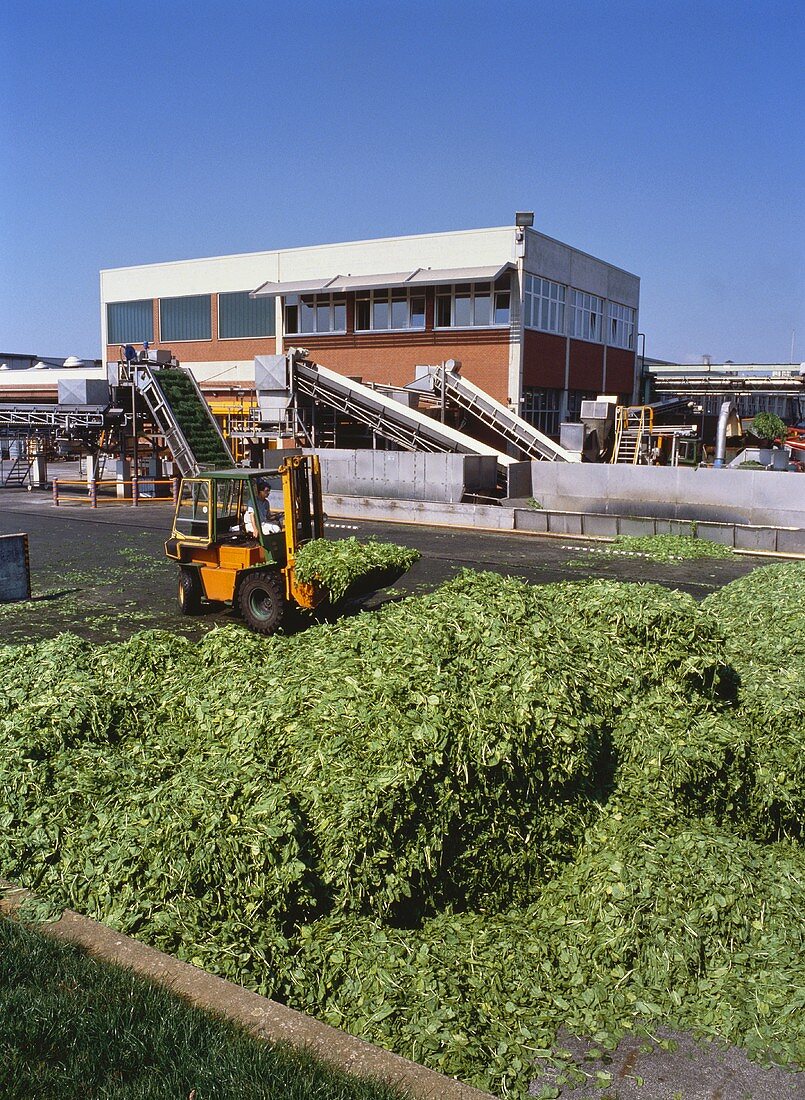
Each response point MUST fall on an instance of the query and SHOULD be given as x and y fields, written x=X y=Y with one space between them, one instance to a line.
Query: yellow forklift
x=232 y=548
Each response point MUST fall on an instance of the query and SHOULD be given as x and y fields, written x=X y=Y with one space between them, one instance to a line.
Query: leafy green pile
x=671 y=547
x=768 y=425
x=193 y=417
x=449 y=825
x=339 y=564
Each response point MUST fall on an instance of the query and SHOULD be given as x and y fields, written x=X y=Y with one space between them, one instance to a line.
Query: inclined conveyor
x=407 y=427
x=448 y=383
x=183 y=442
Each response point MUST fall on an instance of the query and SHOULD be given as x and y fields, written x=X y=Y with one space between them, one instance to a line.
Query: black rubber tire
x=189 y=591
x=262 y=601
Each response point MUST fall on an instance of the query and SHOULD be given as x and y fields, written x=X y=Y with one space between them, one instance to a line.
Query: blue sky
x=665 y=137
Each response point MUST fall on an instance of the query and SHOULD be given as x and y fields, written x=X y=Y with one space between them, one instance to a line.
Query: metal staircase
x=407 y=427
x=16 y=476
x=448 y=383
x=179 y=410
x=633 y=427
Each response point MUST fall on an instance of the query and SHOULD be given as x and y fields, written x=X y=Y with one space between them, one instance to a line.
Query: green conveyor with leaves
x=179 y=409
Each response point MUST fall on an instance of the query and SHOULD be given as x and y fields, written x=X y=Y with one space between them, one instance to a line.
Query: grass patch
x=72 y=1027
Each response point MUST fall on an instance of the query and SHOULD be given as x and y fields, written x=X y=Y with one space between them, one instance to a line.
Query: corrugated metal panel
x=419 y=277
x=185 y=318
x=240 y=315
x=130 y=322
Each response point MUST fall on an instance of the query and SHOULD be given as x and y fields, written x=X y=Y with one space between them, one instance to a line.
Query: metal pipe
x=728 y=408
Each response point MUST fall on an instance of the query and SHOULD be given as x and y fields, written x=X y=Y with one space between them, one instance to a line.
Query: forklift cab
x=220 y=559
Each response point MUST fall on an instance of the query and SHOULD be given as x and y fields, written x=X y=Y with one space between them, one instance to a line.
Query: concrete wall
x=484 y=517
x=723 y=496
x=404 y=475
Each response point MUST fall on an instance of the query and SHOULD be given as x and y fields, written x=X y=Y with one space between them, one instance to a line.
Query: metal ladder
x=147 y=382
x=633 y=427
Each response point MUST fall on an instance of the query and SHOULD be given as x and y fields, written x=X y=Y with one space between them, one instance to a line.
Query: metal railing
x=94 y=493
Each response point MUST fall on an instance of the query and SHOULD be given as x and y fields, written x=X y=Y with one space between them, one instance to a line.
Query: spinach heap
x=339 y=564
x=670 y=547
x=450 y=825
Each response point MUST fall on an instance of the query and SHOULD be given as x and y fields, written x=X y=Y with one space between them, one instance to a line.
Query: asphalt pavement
x=103 y=573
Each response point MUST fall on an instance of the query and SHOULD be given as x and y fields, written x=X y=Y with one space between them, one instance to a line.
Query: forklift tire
x=262 y=602
x=189 y=591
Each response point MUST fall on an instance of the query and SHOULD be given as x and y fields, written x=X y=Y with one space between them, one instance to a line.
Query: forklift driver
x=269 y=524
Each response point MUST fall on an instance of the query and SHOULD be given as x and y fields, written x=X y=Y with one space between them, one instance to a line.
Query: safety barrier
x=142 y=490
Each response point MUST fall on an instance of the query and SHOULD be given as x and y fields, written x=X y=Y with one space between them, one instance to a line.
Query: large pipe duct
x=727 y=417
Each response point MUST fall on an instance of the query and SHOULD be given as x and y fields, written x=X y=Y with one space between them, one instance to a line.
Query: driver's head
x=262 y=486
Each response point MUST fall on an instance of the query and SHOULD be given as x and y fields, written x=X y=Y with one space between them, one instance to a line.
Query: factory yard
x=470 y=827
x=103 y=574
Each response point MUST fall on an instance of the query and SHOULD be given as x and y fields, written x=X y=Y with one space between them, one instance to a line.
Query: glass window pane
x=130 y=322
x=380 y=313
x=322 y=315
x=462 y=313
x=340 y=316
x=242 y=316
x=417 y=313
x=502 y=307
x=399 y=313
x=443 y=311
x=362 y=314
x=306 y=314
x=292 y=318
x=193 y=514
x=481 y=310
x=187 y=318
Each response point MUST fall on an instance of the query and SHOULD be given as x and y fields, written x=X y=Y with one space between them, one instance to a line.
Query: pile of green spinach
x=450 y=825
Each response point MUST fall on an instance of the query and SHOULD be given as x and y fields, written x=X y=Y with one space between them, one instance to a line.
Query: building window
x=542 y=409
x=242 y=316
x=130 y=322
x=574 y=400
x=312 y=313
x=586 y=316
x=544 y=305
x=383 y=310
x=185 y=318
x=473 y=305
x=621 y=326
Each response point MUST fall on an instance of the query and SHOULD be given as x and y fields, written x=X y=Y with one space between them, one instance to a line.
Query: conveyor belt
x=404 y=426
x=505 y=423
x=64 y=417
x=192 y=435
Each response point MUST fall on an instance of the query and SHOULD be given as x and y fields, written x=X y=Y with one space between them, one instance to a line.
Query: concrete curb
x=751 y=538
x=258 y=1015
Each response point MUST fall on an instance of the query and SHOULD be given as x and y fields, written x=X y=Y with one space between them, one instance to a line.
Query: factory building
x=538 y=324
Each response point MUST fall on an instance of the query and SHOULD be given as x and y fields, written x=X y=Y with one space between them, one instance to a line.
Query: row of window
x=549 y=307
x=544 y=309
x=190 y=318
x=463 y=305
